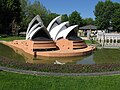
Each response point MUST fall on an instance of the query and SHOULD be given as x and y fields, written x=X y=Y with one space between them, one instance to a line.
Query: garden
x=15 y=17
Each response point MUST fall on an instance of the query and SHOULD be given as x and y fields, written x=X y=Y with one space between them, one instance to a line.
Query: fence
x=110 y=40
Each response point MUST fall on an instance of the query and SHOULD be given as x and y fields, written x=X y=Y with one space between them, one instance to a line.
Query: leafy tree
x=116 y=20
x=29 y=11
x=88 y=21
x=25 y=19
x=38 y=9
x=64 y=18
x=10 y=15
x=103 y=12
x=50 y=17
x=75 y=18
x=84 y=22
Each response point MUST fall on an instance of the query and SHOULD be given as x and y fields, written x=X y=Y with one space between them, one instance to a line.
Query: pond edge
x=20 y=71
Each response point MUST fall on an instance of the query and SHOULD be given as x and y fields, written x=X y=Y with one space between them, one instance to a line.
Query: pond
x=100 y=56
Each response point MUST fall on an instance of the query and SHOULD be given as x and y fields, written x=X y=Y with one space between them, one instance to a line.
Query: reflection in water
x=18 y=54
x=87 y=60
x=8 y=52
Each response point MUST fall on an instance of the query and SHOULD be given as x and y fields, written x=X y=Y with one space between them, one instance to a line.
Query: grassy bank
x=91 y=42
x=11 y=38
x=107 y=56
x=14 y=81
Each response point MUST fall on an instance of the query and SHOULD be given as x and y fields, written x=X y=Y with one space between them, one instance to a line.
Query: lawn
x=90 y=42
x=11 y=38
x=12 y=81
x=107 y=56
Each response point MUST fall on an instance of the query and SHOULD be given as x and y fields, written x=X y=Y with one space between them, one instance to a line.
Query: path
x=56 y=74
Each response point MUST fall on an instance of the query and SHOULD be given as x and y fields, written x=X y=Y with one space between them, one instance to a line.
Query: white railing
x=109 y=39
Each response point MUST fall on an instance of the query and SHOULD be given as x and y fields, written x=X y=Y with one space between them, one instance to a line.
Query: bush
x=3 y=36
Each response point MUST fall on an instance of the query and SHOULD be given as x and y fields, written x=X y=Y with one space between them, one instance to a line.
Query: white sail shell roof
x=33 y=29
x=55 y=31
x=37 y=30
x=64 y=33
x=56 y=21
x=33 y=20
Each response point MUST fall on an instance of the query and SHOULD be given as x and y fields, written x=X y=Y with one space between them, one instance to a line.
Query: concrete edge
x=37 y=73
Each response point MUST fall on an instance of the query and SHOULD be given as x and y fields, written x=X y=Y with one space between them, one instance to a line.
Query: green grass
x=107 y=56
x=12 y=81
x=11 y=38
x=90 y=42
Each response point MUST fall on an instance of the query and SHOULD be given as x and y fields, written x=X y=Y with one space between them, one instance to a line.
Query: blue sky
x=84 y=7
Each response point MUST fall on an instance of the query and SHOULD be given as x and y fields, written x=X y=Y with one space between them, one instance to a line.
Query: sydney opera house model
x=57 y=40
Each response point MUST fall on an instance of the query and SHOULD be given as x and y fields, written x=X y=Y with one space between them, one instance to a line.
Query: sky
x=84 y=7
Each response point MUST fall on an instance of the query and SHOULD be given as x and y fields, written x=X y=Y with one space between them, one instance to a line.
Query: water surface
x=45 y=60
x=100 y=56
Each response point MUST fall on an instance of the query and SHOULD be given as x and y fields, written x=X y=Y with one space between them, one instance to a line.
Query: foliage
x=10 y=15
x=88 y=21
x=29 y=82
x=91 y=42
x=16 y=15
x=25 y=19
x=75 y=18
x=38 y=9
x=50 y=17
x=31 y=10
x=107 y=56
x=106 y=13
x=116 y=17
x=103 y=12
x=64 y=18
x=10 y=38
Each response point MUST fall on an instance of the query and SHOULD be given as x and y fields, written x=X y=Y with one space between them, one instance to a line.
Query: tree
x=38 y=9
x=88 y=21
x=116 y=20
x=64 y=17
x=75 y=18
x=50 y=17
x=103 y=12
x=25 y=18
x=10 y=15
x=30 y=10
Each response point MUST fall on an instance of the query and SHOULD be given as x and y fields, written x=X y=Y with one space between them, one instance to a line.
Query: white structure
x=54 y=23
x=34 y=26
x=55 y=30
x=37 y=19
x=65 y=32
x=109 y=39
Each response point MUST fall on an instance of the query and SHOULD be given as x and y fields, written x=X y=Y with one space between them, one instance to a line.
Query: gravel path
x=56 y=74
